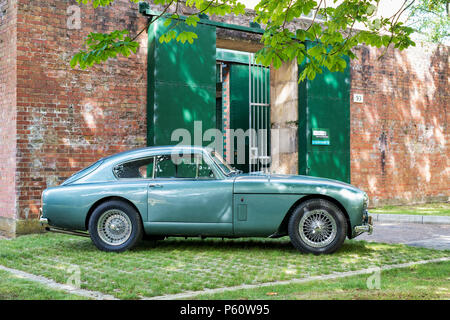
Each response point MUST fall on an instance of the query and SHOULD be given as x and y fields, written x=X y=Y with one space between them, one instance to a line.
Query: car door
x=134 y=177
x=186 y=197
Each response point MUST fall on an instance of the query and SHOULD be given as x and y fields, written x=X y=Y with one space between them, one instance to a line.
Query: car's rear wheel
x=115 y=226
x=317 y=226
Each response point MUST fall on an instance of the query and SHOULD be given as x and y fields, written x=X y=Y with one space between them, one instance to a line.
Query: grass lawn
x=13 y=287
x=429 y=209
x=418 y=282
x=178 y=265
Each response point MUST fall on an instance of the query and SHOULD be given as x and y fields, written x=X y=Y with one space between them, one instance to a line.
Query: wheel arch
x=283 y=228
x=106 y=199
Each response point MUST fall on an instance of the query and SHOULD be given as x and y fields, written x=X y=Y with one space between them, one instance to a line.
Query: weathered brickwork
x=8 y=36
x=226 y=112
x=399 y=134
x=66 y=119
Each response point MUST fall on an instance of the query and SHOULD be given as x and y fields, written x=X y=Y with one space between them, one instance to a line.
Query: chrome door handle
x=155 y=185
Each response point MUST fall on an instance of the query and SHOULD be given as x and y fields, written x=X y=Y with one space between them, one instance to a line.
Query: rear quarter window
x=142 y=168
x=84 y=172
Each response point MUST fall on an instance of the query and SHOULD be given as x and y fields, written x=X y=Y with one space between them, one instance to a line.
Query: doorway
x=245 y=98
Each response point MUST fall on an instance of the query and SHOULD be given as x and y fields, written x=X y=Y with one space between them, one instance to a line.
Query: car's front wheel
x=317 y=226
x=115 y=226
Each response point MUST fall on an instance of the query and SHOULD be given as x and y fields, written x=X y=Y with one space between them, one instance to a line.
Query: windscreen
x=226 y=168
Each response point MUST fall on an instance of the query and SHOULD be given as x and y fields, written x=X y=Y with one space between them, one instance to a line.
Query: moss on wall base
x=28 y=226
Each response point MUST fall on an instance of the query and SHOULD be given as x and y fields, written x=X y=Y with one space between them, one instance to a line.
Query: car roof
x=142 y=152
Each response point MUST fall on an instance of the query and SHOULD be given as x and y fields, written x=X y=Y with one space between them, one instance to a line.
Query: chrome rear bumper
x=43 y=221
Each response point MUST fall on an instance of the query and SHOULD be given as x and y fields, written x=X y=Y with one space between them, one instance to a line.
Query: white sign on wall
x=359 y=98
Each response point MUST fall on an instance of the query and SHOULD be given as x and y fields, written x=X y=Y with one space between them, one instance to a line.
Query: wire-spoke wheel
x=317 y=226
x=115 y=226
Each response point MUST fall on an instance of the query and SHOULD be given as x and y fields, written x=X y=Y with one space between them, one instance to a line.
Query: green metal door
x=324 y=125
x=240 y=97
x=181 y=84
x=239 y=107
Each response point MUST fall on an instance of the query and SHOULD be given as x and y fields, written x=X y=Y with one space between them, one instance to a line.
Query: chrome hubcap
x=317 y=228
x=114 y=227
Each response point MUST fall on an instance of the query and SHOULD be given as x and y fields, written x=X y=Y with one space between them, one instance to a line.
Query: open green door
x=324 y=125
x=239 y=84
x=239 y=106
x=181 y=84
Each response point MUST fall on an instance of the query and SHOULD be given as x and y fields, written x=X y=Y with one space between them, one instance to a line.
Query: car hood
x=280 y=183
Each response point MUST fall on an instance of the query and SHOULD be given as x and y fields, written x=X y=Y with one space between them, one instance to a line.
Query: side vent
x=242 y=212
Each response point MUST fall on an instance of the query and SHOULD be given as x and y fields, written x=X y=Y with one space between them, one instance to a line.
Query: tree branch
x=151 y=20
x=315 y=14
x=287 y=11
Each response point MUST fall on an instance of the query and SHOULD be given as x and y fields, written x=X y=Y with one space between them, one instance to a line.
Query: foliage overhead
x=331 y=30
x=431 y=18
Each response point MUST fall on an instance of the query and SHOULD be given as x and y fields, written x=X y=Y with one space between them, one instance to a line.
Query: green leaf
x=167 y=22
x=192 y=20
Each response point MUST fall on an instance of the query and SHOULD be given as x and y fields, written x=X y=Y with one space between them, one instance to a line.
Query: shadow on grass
x=226 y=245
x=79 y=244
x=284 y=244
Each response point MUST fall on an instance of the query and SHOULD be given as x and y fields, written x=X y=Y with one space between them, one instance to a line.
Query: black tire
x=122 y=210
x=323 y=217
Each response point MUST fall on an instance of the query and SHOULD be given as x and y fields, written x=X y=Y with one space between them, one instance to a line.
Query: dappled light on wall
x=398 y=143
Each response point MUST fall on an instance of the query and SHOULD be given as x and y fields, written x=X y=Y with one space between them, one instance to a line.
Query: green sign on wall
x=320 y=137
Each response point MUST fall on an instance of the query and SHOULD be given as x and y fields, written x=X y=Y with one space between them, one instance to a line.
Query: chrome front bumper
x=367 y=227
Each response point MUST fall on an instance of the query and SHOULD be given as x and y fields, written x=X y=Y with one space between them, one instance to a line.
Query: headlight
x=366 y=201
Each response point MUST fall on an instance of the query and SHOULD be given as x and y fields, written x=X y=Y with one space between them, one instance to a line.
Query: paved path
x=337 y=275
x=58 y=286
x=419 y=235
x=410 y=218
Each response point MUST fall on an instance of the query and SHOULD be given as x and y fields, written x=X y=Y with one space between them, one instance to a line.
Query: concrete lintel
x=239 y=45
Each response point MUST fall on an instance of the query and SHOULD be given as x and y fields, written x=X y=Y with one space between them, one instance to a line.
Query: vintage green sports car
x=191 y=191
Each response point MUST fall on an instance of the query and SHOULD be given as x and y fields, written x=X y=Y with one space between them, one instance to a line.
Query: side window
x=187 y=166
x=165 y=168
x=204 y=170
x=142 y=168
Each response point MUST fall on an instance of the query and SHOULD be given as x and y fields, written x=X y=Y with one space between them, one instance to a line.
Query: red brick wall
x=226 y=112
x=67 y=119
x=8 y=16
x=399 y=135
